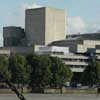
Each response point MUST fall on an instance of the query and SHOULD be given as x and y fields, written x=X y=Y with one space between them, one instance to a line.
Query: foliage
x=17 y=65
x=98 y=71
x=90 y=76
x=40 y=72
x=36 y=71
x=5 y=75
x=60 y=72
x=4 y=68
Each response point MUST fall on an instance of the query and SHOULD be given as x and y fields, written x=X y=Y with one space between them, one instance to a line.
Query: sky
x=83 y=16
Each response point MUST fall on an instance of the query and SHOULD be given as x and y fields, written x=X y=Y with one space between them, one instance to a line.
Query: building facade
x=76 y=62
x=44 y=25
x=74 y=53
x=13 y=36
x=16 y=50
x=77 y=55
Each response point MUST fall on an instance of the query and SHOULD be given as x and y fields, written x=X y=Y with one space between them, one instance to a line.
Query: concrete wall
x=44 y=25
x=55 y=28
x=13 y=35
x=35 y=26
x=15 y=50
x=82 y=48
x=51 y=50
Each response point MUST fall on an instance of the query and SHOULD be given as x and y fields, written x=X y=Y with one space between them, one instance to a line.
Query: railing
x=70 y=56
x=77 y=69
x=76 y=63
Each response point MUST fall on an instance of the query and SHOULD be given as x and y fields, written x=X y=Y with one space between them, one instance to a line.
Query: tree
x=98 y=72
x=4 y=72
x=5 y=75
x=18 y=68
x=90 y=76
x=47 y=71
x=40 y=72
x=60 y=73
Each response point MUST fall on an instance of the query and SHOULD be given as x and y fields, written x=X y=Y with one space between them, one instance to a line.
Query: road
x=51 y=97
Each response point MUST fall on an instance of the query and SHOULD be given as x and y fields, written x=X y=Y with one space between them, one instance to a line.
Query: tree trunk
x=22 y=89
x=61 y=91
x=14 y=89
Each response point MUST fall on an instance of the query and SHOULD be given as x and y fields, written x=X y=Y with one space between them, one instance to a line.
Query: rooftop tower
x=44 y=25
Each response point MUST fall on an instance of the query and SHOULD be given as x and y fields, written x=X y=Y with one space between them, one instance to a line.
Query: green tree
x=40 y=72
x=90 y=76
x=4 y=68
x=60 y=73
x=98 y=72
x=5 y=75
x=18 y=68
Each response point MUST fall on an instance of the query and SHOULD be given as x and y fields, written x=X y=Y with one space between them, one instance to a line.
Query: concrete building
x=79 y=44
x=49 y=50
x=75 y=53
x=13 y=36
x=44 y=25
x=77 y=62
x=15 y=50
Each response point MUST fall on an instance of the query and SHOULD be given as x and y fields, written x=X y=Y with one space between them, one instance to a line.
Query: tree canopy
x=5 y=76
x=40 y=72
x=47 y=72
x=91 y=75
x=60 y=72
x=18 y=68
x=36 y=71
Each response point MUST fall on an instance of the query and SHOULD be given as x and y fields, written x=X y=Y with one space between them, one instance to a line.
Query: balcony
x=70 y=56
x=76 y=63
x=77 y=69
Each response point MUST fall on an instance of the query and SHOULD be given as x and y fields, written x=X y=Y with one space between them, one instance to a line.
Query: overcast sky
x=83 y=15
